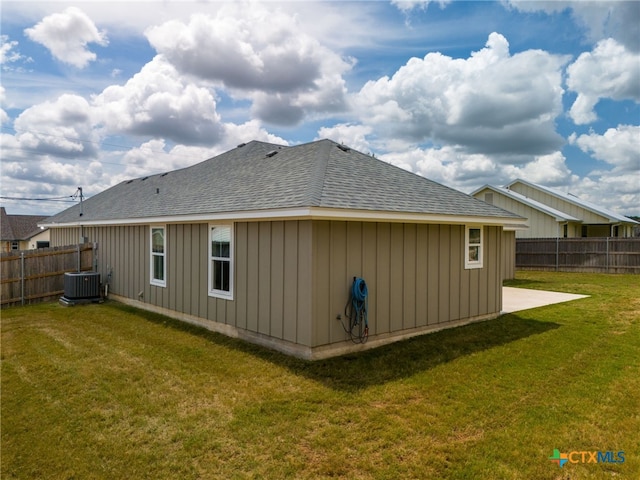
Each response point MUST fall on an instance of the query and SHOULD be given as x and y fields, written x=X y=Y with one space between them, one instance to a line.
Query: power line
x=24 y=199
x=47 y=199
x=52 y=199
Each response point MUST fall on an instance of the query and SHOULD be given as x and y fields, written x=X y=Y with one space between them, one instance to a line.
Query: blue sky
x=464 y=93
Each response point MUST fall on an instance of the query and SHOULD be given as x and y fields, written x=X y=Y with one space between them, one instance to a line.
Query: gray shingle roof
x=249 y=178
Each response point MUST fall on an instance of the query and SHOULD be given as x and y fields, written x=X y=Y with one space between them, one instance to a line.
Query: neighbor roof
x=557 y=214
x=313 y=179
x=18 y=227
x=568 y=197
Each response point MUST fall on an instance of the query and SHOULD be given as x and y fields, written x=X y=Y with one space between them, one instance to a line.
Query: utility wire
x=46 y=199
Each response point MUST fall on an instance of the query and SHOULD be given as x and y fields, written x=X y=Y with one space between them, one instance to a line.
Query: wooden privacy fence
x=602 y=254
x=31 y=276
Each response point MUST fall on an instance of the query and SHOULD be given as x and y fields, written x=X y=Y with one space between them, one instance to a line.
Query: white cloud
x=408 y=5
x=11 y=60
x=619 y=147
x=158 y=102
x=354 y=136
x=259 y=54
x=63 y=127
x=490 y=103
x=243 y=133
x=601 y=19
x=550 y=170
x=598 y=186
x=4 y=117
x=453 y=167
x=7 y=50
x=67 y=34
x=609 y=71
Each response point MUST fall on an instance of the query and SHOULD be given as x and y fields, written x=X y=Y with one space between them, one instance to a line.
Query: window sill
x=220 y=294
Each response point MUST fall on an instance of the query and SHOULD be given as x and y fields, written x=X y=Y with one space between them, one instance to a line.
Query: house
x=553 y=214
x=21 y=232
x=263 y=242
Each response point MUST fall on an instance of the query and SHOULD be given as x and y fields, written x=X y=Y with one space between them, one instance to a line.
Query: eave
x=305 y=213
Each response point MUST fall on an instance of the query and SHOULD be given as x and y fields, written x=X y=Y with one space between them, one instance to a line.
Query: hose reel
x=356 y=311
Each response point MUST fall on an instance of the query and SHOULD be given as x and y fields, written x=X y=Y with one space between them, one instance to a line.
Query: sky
x=464 y=93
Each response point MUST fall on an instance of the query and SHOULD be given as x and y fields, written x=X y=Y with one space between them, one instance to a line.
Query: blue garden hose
x=356 y=311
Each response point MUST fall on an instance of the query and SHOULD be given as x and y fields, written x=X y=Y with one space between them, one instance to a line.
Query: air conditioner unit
x=81 y=287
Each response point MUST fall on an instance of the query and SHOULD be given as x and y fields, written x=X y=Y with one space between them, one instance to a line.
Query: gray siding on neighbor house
x=292 y=278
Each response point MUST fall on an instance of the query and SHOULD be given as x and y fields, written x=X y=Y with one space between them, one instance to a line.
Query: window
x=221 y=262
x=473 y=247
x=158 y=249
x=15 y=245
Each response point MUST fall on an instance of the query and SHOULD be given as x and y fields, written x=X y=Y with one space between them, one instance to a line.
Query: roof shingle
x=317 y=174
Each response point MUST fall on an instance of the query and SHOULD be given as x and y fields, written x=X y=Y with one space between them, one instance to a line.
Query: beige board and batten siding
x=292 y=278
x=414 y=272
x=272 y=295
x=508 y=254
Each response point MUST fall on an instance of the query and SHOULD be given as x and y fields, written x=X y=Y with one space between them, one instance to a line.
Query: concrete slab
x=516 y=299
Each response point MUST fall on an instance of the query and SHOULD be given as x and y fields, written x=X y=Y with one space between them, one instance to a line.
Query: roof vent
x=144 y=179
x=241 y=145
x=130 y=181
x=344 y=148
x=271 y=153
x=164 y=174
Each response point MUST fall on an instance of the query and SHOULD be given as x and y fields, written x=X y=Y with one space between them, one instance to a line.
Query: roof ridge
x=319 y=171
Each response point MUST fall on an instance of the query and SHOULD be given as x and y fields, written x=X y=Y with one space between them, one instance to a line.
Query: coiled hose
x=356 y=311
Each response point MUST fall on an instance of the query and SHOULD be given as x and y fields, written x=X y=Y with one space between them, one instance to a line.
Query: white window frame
x=227 y=295
x=470 y=263
x=155 y=281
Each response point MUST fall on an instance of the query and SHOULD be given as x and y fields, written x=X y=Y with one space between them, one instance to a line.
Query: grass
x=107 y=391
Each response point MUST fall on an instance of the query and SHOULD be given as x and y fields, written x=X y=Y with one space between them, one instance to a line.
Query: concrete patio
x=516 y=299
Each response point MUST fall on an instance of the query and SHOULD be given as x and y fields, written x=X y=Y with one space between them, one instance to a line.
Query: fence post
x=95 y=256
x=22 y=278
x=79 y=259
x=607 y=255
x=557 y=253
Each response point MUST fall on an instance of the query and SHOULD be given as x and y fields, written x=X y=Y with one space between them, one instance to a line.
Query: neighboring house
x=263 y=242
x=553 y=214
x=21 y=232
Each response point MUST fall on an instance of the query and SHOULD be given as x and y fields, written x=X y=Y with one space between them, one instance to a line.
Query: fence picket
x=31 y=276
x=602 y=254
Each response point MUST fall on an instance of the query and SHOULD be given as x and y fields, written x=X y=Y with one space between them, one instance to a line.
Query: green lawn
x=107 y=391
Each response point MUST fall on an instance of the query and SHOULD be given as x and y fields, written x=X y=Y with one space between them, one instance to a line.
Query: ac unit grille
x=81 y=285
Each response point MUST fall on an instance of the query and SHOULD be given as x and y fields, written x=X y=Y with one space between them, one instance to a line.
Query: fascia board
x=310 y=213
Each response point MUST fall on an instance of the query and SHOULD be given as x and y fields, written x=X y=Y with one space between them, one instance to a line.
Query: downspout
x=613 y=225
